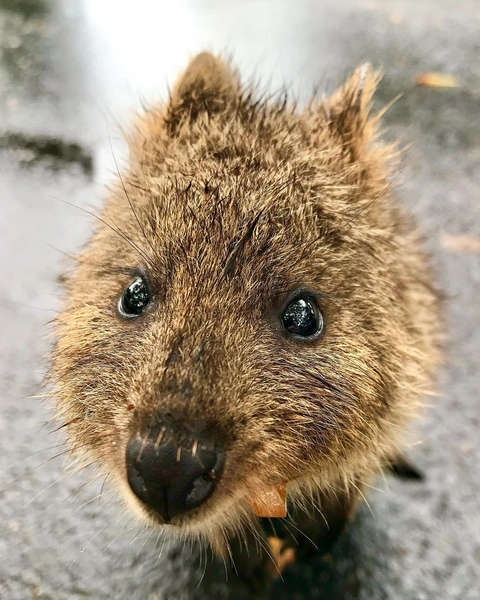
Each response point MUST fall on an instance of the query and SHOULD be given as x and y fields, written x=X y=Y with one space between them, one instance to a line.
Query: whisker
x=119 y=232
x=356 y=215
x=119 y=535
x=161 y=551
x=365 y=500
x=73 y=495
x=142 y=229
x=264 y=545
x=103 y=486
x=87 y=502
x=90 y=541
x=45 y=489
x=144 y=542
x=24 y=305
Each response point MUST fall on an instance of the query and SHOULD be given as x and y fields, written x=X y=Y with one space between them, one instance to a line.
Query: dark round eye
x=302 y=317
x=134 y=299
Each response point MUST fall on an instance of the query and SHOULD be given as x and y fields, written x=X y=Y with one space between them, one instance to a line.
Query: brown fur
x=234 y=203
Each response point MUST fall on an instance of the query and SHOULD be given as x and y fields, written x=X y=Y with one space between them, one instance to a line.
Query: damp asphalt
x=70 y=74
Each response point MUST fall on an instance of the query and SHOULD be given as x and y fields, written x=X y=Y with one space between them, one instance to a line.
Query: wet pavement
x=70 y=72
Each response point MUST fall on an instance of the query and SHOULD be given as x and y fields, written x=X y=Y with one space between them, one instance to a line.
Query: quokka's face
x=226 y=329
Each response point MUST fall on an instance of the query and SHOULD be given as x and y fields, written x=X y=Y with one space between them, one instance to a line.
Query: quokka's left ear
x=208 y=85
x=348 y=111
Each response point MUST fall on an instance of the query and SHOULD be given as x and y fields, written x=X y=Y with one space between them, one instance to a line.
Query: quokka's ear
x=348 y=111
x=208 y=84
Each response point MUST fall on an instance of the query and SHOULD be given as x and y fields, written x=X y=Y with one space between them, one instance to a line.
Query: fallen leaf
x=396 y=18
x=436 y=80
x=270 y=501
x=281 y=556
x=466 y=244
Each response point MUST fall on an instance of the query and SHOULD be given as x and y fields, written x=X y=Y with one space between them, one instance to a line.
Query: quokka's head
x=243 y=314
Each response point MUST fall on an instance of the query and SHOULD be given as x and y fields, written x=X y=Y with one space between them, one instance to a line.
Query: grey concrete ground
x=69 y=71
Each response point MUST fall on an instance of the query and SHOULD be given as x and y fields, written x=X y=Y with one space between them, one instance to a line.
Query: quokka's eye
x=302 y=318
x=134 y=299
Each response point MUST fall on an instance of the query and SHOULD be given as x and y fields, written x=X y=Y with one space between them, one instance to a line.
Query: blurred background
x=71 y=72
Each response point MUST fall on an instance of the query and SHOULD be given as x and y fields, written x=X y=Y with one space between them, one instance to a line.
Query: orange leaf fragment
x=281 y=556
x=436 y=80
x=270 y=502
x=396 y=18
x=464 y=244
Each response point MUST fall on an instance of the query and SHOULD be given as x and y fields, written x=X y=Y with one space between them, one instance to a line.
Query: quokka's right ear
x=348 y=112
x=208 y=85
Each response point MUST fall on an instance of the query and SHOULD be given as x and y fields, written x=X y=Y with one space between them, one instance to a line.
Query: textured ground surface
x=65 y=69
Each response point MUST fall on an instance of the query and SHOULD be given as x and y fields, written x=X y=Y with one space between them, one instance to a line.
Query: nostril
x=201 y=489
x=169 y=477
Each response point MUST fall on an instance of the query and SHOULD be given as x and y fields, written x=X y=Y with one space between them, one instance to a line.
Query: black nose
x=169 y=476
